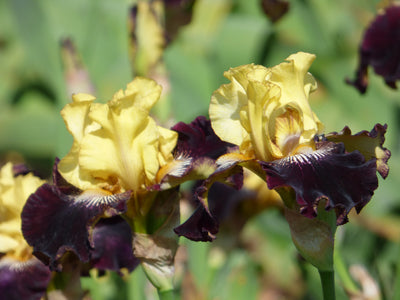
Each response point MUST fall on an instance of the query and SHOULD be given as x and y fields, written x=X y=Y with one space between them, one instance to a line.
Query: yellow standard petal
x=296 y=84
x=228 y=102
x=122 y=147
x=265 y=111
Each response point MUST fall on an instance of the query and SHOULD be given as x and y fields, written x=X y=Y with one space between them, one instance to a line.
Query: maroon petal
x=23 y=280
x=198 y=139
x=228 y=204
x=201 y=226
x=53 y=222
x=344 y=179
x=370 y=144
x=195 y=154
x=113 y=250
x=380 y=49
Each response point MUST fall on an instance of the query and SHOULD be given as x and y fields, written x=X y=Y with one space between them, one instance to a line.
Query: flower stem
x=343 y=273
x=167 y=295
x=396 y=292
x=328 y=284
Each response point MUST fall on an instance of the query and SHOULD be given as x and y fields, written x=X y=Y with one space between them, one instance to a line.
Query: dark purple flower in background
x=380 y=49
x=275 y=9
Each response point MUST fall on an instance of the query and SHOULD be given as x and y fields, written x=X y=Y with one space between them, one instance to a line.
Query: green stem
x=343 y=273
x=396 y=292
x=167 y=295
x=328 y=284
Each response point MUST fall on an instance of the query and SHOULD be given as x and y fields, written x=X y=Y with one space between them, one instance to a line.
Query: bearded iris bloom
x=123 y=164
x=265 y=112
x=118 y=150
x=22 y=275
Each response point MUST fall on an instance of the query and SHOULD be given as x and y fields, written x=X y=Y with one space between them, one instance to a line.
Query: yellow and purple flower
x=22 y=276
x=116 y=154
x=121 y=164
x=266 y=113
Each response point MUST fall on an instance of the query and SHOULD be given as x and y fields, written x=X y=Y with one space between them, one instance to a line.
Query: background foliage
x=263 y=263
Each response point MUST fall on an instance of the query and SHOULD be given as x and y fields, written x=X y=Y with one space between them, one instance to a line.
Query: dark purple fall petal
x=380 y=49
x=54 y=223
x=229 y=205
x=232 y=208
x=346 y=180
x=198 y=139
x=113 y=250
x=370 y=144
x=195 y=154
x=201 y=226
x=23 y=280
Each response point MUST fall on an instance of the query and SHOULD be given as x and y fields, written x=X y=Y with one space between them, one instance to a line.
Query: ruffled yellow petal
x=14 y=191
x=76 y=118
x=225 y=108
x=122 y=148
x=141 y=92
x=265 y=111
x=296 y=84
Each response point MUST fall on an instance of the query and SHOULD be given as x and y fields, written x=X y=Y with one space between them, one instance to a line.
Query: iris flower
x=265 y=112
x=117 y=151
x=121 y=164
x=22 y=275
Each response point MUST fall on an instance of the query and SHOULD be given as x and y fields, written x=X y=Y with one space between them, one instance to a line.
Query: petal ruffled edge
x=345 y=180
x=370 y=144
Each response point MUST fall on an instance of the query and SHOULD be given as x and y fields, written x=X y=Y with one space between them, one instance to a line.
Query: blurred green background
x=222 y=33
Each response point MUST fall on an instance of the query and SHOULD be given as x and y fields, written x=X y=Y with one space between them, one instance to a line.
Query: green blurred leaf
x=237 y=279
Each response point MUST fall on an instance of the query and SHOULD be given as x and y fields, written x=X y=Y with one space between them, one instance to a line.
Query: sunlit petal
x=118 y=147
